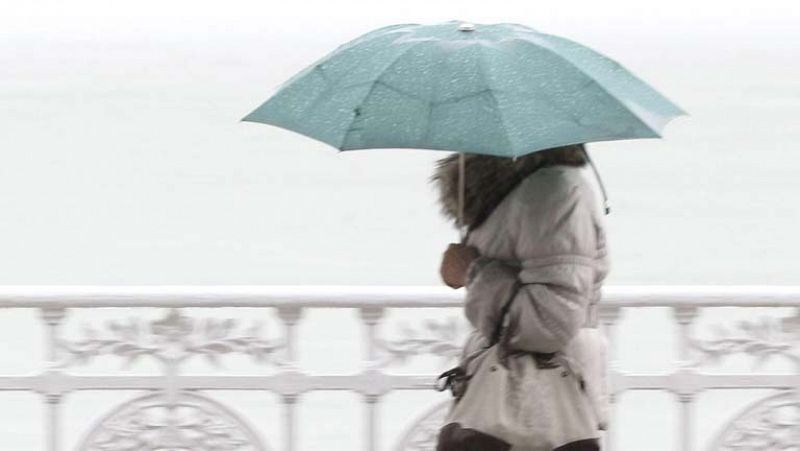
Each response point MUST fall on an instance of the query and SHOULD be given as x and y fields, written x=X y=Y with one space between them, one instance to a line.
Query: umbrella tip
x=466 y=26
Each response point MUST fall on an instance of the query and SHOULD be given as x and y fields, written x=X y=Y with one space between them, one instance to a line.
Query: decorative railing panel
x=177 y=410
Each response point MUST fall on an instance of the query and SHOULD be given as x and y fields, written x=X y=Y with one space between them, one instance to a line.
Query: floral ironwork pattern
x=774 y=422
x=763 y=339
x=171 y=340
x=156 y=423
x=771 y=424
x=439 y=338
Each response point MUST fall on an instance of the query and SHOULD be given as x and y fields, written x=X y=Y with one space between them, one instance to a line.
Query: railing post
x=290 y=317
x=797 y=361
x=686 y=419
x=290 y=421
x=609 y=317
x=371 y=317
x=372 y=403
x=685 y=316
x=52 y=318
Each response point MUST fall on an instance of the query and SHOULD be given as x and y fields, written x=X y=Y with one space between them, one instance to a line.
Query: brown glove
x=455 y=262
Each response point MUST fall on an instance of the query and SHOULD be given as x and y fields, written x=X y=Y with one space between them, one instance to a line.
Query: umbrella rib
x=617 y=67
x=548 y=98
x=323 y=74
x=592 y=80
x=482 y=69
x=458 y=99
x=400 y=91
x=429 y=110
x=372 y=88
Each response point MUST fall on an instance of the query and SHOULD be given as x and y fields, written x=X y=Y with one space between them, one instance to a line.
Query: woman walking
x=536 y=235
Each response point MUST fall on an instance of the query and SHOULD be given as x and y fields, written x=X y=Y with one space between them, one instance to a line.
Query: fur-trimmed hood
x=488 y=179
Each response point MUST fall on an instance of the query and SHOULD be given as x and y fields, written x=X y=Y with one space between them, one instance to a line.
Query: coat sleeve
x=556 y=245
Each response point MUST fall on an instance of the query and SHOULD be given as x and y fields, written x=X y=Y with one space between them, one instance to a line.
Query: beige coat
x=549 y=233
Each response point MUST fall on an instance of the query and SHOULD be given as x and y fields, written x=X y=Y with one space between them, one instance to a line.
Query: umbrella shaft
x=461 y=176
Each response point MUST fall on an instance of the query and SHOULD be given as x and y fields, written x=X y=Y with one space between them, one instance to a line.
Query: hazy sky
x=678 y=16
x=123 y=159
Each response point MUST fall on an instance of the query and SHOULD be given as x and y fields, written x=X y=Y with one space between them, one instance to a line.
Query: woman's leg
x=581 y=445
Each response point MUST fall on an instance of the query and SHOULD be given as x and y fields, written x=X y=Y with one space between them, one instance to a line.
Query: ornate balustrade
x=179 y=411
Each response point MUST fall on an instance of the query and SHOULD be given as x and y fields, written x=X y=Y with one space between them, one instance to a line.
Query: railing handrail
x=360 y=296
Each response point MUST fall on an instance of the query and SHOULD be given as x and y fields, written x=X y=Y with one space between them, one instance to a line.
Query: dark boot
x=453 y=437
x=580 y=445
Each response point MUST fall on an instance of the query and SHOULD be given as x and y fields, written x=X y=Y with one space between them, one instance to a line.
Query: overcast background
x=123 y=161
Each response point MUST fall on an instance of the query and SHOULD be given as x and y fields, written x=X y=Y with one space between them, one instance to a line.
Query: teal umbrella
x=493 y=89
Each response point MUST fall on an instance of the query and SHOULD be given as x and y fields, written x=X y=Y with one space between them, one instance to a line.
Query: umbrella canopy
x=494 y=89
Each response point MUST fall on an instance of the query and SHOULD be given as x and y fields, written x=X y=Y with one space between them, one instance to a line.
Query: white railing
x=179 y=410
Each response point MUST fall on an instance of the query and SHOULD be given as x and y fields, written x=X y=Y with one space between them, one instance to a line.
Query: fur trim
x=488 y=179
